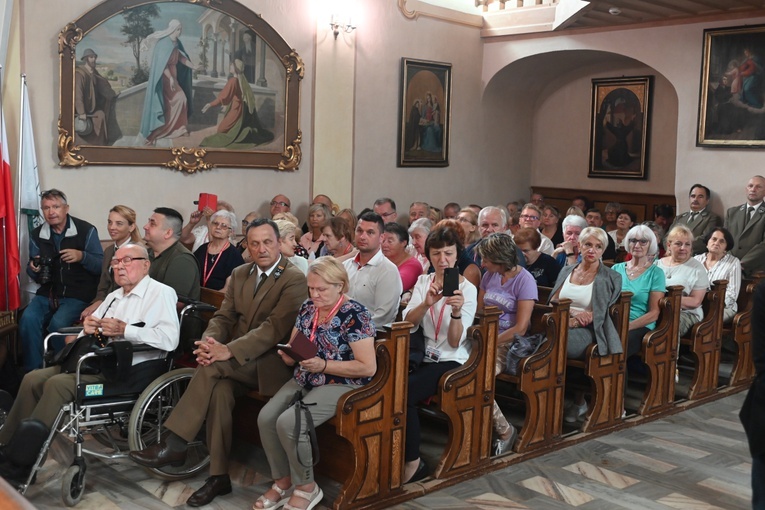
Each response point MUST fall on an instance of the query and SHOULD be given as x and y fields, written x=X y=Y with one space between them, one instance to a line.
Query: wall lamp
x=337 y=25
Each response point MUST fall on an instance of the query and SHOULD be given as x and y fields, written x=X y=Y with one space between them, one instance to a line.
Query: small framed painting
x=619 y=127
x=423 y=136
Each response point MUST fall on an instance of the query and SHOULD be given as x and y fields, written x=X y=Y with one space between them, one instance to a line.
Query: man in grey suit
x=747 y=225
x=699 y=219
x=236 y=353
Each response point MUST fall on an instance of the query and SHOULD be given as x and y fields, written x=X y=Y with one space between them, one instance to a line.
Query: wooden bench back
x=541 y=378
x=740 y=329
x=466 y=396
x=659 y=353
x=705 y=340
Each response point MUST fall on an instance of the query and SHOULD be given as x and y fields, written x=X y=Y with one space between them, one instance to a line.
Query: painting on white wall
x=732 y=98
x=619 y=127
x=178 y=84
x=423 y=136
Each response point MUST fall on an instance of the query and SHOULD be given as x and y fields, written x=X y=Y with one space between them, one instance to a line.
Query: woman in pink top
x=395 y=239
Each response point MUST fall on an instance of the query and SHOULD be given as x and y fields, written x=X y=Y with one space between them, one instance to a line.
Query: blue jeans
x=38 y=318
x=758 y=482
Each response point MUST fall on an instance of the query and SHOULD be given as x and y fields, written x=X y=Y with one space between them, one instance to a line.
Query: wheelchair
x=123 y=415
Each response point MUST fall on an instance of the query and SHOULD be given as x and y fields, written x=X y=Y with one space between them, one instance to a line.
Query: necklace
x=635 y=271
x=583 y=274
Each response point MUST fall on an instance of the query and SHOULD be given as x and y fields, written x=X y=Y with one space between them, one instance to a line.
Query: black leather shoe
x=158 y=455
x=214 y=486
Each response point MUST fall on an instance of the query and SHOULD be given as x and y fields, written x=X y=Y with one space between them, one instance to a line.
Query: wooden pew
x=607 y=373
x=541 y=378
x=466 y=397
x=740 y=330
x=705 y=340
x=362 y=447
x=659 y=353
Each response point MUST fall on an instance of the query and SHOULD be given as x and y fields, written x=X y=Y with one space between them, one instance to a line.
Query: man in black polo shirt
x=171 y=263
x=65 y=259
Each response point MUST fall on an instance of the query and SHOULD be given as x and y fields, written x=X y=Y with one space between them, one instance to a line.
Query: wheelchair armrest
x=72 y=330
x=109 y=350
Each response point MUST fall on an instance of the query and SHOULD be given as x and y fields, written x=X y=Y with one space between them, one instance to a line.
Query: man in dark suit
x=236 y=353
x=747 y=225
x=699 y=219
x=753 y=411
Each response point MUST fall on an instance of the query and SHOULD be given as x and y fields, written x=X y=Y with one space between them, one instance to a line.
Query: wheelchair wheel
x=147 y=420
x=72 y=485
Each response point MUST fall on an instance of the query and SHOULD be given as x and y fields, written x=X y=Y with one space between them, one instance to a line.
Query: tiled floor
x=697 y=459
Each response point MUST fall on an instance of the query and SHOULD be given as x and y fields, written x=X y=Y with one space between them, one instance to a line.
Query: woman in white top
x=722 y=265
x=445 y=321
x=680 y=268
x=287 y=244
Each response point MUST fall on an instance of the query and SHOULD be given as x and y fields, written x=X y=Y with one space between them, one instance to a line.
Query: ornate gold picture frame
x=732 y=97
x=184 y=84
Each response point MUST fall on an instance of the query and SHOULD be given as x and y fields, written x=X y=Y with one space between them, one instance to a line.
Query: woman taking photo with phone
x=445 y=320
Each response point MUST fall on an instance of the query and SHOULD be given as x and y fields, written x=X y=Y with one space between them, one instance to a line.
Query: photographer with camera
x=65 y=259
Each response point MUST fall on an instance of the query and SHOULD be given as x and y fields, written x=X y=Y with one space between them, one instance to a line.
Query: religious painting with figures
x=423 y=137
x=619 y=127
x=179 y=84
x=732 y=98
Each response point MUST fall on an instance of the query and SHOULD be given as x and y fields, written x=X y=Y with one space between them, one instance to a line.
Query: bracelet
x=455 y=317
x=569 y=254
x=325 y=366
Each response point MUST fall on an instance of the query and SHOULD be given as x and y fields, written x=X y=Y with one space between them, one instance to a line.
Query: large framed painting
x=185 y=84
x=619 y=127
x=423 y=134
x=732 y=96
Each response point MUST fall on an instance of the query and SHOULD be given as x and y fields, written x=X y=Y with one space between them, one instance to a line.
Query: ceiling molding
x=413 y=9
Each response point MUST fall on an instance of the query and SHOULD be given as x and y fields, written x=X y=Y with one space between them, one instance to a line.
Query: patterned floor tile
x=557 y=491
x=489 y=501
x=602 y=475
x=728 y=488
x=678 y=448
x=681 y=502
x=643 y=461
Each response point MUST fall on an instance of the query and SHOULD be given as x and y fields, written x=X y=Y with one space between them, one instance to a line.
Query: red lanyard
x=440 y=317
x=316 y=318
x=205 y=273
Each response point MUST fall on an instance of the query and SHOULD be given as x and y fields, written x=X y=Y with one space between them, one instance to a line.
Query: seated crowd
x=337 y=279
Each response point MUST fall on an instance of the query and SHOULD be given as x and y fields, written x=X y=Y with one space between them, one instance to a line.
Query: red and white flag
x=10 y=266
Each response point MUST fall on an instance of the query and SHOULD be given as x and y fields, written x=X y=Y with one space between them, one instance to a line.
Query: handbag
x=297 y=401
x=68 y=357
x=523 y=347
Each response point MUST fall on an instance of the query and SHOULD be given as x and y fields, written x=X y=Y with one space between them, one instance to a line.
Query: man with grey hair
x=747 y=225
x=491 y=220
x=418 y=210
x=171 y=263
x=140 y=311
x=386 y=208
x=531 y=218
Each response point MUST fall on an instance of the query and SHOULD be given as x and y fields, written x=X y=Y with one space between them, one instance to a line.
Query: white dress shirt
x=151 y=303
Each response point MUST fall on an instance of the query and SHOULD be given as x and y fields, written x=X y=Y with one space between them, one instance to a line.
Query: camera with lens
x=46 y=269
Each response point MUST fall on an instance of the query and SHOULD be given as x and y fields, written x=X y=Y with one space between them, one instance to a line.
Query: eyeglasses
x=125 y=260
x=217 y=224
x=642 y=242
x=464 y=220
x=387 y=214
x=529 y=217
x=283 y=204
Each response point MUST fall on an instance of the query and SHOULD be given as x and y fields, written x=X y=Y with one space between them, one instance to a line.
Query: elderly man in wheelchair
x=139 y=325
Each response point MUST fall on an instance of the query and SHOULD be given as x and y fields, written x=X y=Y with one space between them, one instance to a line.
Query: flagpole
x=5 y=148
x=21 y=156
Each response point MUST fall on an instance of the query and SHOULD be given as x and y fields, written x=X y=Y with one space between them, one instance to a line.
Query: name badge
x=432 y=354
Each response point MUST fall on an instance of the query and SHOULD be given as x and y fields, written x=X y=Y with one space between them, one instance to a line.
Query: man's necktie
x=749 y=214
x=262 y=279
x=693 y=217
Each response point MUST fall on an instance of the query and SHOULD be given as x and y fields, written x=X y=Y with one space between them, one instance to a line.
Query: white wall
x=675 y=53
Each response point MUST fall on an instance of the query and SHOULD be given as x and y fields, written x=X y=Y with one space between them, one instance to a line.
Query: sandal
x=284 y=496
x=314 y=498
